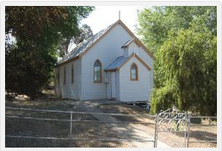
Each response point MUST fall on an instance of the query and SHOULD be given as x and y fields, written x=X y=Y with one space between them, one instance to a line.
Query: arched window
x=97 y=71
x=133 y=72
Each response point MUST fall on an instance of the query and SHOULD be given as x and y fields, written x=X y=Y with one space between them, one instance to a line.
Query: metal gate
x=172 y=121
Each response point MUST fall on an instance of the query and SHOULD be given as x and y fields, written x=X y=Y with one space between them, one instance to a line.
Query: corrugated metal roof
x=80 y=48
x=117 y=63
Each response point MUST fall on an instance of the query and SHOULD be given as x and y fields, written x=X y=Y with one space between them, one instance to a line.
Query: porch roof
x=120 y=61
x=116 y=63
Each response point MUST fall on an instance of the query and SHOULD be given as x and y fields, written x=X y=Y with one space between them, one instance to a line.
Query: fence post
x=188 y=131
x=156 y=131
x=70 y=128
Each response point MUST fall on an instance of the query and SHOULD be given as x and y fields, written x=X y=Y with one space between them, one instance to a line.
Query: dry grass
x=174 y=139
x=81 y=130
x=94 y=130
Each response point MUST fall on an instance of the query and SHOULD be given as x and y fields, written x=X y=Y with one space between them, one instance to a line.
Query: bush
x=25 y=74
x=161 y=99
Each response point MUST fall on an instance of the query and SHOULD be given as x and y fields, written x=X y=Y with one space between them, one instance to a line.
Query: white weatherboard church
x=113 y=64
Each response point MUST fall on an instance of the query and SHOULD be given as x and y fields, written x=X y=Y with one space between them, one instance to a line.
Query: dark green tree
x=38 y=32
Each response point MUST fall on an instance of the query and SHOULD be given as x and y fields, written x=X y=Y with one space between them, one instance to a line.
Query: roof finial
x=119 y=14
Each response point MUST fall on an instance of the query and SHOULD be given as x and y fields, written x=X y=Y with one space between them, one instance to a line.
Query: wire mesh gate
x=173 y=122
x=178 y=129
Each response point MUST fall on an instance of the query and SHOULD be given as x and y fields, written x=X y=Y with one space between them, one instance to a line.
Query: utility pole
x=119 y=14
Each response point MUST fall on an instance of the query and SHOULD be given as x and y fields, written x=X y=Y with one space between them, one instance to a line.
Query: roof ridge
x=84 y=44
x=88 y=39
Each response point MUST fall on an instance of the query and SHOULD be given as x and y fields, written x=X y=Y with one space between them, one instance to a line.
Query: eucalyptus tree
x=183 y=40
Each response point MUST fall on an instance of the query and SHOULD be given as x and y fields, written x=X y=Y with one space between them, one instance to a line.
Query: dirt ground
x=199 y=132
x=90 y=130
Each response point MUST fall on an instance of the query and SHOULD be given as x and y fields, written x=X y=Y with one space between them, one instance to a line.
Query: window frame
x=136 y=68
x=94 y=74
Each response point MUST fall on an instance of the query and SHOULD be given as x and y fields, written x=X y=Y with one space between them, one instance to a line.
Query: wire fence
x=54 y=128
x=203 y=131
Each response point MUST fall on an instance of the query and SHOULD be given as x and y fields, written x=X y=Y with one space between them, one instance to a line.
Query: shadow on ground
x=88 y=130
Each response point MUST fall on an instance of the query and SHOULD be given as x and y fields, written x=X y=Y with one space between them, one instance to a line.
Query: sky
x=103 y=16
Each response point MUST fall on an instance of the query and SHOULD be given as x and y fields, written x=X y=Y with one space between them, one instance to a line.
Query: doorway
x=113 y=85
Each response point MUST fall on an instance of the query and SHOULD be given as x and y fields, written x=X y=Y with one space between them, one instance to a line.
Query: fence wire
x=203 y=132
x=51 y=128
x=38 y=128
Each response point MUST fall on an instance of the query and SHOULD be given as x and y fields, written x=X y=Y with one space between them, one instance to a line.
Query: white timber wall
x=69 y=89
x=146 y=58
x=108 y=87
x=134 y=90
x=106 y=50
x=118 y=85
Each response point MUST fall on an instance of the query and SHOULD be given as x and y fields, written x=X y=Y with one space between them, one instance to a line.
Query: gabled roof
x=120 y=61
x=80 y=48
x=83 y=47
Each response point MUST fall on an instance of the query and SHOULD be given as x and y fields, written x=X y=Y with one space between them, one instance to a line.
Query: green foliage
x=85 y=33
x=38 y=33
x=161 y=99
x=184 y=61
x=155 y=22
x=183 y=39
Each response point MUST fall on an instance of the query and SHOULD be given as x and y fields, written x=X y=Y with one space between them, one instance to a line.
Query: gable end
x=137 y=41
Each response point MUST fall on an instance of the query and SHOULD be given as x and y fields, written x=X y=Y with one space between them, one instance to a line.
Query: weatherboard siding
x=117 y=85
x=69 y=89
x=106 y=50
x=146 y=58
x=134 y=90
